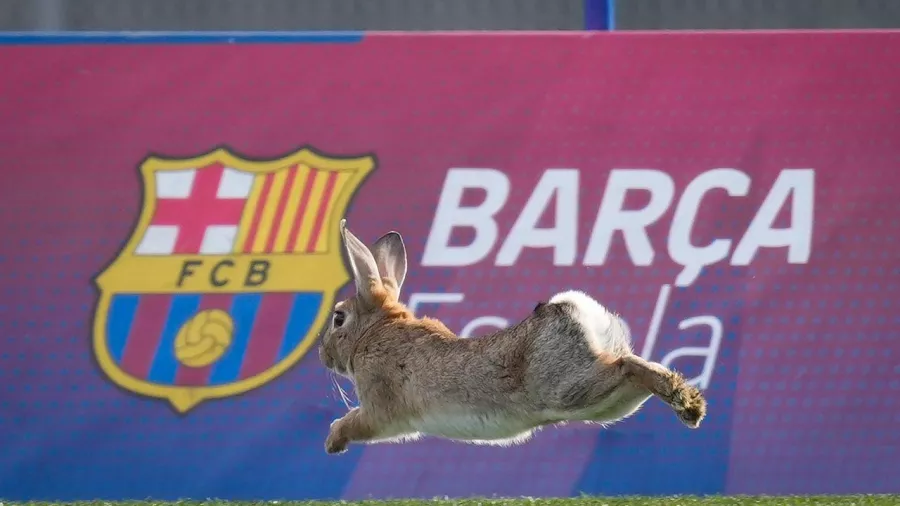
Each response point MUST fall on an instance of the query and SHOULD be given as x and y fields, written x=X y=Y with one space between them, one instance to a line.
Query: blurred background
x=445 y=14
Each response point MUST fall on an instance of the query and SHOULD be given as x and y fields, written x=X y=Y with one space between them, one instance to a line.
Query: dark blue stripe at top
x=599 y=14
x=229 y=37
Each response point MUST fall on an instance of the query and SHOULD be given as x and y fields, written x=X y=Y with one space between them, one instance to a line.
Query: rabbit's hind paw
x=689 y=405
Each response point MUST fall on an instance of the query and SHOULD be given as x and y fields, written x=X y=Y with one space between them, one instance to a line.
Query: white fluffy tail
x=605 y=331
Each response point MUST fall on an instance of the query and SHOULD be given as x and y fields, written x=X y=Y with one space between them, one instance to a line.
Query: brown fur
x=414 y=376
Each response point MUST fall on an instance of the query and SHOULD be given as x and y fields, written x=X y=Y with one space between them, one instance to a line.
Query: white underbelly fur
x=487 y=428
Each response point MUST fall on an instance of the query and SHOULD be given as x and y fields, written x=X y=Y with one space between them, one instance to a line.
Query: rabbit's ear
x=365 y=270
x=390 y=257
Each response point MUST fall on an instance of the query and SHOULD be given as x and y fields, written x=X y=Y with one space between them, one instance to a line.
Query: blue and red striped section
x=141 y=330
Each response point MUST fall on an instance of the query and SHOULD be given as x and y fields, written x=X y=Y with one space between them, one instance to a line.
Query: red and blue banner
x=169 y=252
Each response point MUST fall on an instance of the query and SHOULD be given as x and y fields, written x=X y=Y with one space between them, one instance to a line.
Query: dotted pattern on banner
x=803 y=390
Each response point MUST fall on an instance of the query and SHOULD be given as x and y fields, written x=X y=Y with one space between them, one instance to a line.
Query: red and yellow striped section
x=287 y=209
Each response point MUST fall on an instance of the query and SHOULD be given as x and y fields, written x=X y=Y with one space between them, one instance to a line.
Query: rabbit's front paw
x=689 y=405
x=335 y=442
x=335 y=445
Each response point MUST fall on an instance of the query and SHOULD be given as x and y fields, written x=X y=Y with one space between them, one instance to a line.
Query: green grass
x=855 y=500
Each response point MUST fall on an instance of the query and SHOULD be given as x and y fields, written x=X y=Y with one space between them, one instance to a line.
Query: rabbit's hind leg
x=668 y=385
x=604 y=393
x=621 y=403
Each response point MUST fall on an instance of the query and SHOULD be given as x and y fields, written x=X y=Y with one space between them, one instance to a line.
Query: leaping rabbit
x=569 y=360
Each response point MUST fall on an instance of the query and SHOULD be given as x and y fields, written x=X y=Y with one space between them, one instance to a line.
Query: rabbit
x=570 y=359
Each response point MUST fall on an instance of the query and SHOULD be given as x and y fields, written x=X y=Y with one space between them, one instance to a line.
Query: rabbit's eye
x=338 y=318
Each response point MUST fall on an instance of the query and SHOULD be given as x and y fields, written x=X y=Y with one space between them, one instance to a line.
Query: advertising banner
x=170 y=253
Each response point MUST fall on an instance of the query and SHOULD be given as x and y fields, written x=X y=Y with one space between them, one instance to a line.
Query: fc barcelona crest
x=228 y=275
